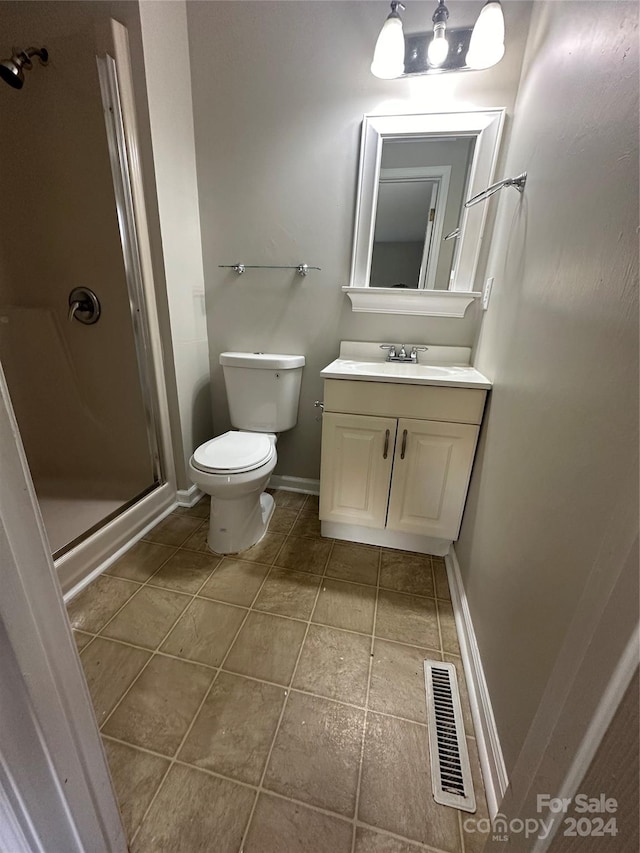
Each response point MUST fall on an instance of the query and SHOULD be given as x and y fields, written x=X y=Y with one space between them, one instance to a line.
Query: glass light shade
x=388 y=57
x=486 y=47
x=438 y=49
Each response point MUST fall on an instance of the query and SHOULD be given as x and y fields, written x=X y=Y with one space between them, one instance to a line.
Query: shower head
x=12 y=70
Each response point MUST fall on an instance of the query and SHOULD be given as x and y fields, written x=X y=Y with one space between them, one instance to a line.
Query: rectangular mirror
x=416 y=172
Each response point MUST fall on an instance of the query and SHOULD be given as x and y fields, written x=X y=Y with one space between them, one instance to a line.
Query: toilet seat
x=235 y=452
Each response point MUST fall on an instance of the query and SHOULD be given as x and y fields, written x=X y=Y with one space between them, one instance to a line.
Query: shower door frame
x=98 y=547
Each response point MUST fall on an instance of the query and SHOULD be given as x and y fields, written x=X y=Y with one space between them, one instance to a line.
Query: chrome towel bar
x=518 y=183
x=301 y=269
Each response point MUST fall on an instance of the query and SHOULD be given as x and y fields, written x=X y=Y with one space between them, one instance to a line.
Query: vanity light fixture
x=440 y=49
x=388 y=56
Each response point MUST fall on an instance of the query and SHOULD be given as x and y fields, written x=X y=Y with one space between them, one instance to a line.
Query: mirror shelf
x=430 y=303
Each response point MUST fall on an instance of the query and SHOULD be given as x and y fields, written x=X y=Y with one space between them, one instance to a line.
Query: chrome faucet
x=409 y=358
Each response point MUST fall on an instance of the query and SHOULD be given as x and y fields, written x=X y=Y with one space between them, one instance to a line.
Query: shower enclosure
x=74 y=335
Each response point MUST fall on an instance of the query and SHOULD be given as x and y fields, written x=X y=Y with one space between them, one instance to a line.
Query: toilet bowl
x=234 y=469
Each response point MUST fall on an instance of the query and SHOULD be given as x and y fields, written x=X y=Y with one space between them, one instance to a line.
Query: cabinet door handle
x=386 y=445
x=404 y=443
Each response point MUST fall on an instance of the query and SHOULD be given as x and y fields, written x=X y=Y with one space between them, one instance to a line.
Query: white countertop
x=438 y=366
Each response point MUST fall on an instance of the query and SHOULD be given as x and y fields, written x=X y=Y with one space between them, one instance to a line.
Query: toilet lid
x=233 y=453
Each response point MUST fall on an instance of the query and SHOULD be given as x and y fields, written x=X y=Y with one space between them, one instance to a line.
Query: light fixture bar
x=416 y=46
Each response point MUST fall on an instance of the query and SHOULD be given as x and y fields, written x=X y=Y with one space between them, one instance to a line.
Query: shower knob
x=84 y=306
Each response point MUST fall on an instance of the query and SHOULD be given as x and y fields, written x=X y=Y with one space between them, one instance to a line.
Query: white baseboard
x=188 y=497
x=494 y=770
x=294 y=484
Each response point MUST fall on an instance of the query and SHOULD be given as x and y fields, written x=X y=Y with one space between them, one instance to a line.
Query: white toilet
x=263 y=390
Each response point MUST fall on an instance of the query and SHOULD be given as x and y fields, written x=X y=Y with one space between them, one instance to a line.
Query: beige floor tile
x=235 y=581
x=395 y=789
x=312 y=503
x=304 y=555
x=316 y=754
x=136 y=776
x=235 y=727
x=82 y=639
x=464 y=693
x=280 y=826
x=345 y=605
x=289 y=500
x=369 y=841
x=94 y=606
x=198 y=540
x=288 y=593
x=282 y=520
x=406 y=572
x=267 y=647
x=407 y=619
x=265 y=550
x=173 y=530
x=141 y=561
x=354 y=563
x=450 y=642
x=440 y=579
x=308 y=524
x=397 y=680
x=186 y=571
x=195 y=813
x=146 y=619
x=334 y=664
x=110 y=669
x=205 y=632
x=158 y=709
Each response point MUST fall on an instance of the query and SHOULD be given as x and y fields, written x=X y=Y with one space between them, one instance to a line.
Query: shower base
x=70 y=509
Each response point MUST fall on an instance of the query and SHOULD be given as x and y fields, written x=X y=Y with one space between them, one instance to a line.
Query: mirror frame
x=486 y=126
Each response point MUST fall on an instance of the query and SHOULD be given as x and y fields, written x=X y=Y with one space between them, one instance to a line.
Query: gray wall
x=557 y=463
x=279 y=91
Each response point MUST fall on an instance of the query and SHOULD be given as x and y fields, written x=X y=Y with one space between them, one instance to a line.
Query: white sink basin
x=371 y=370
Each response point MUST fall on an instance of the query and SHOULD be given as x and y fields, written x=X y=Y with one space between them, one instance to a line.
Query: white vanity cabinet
x=396 y=462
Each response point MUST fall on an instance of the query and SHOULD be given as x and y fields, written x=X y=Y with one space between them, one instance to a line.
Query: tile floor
x=271 y=702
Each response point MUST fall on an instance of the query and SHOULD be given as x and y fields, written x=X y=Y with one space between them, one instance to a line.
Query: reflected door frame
x=440 y=175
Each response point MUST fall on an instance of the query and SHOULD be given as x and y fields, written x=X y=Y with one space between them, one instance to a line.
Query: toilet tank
x=263 y=389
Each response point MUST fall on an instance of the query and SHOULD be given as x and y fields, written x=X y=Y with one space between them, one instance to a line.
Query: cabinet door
x=431 y=471
x=357 y=454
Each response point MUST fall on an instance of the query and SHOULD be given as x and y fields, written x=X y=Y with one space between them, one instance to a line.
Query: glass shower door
x=81 y=391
